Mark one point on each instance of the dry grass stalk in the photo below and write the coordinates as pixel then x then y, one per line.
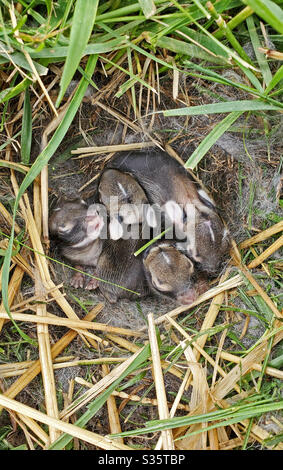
pixel 211 315
pixel 230 444
pixel 133 348
pixel 18 259
pixel 15 371
pixel 222 287
pixel 128 122
pixel 225 385
pixel 56 349
pixel 28 301
pixel 112 148
pixel 266 253
pixel 124 343
pixel 31 424
pixel 199 384
pixel 95 439
pixel 136 398
pixel 97 388
pixel 219 349
pixel 213 439
pixel 198 351
pixel 15 366
pixel 113 415
pixel 260 434
pixel 261 292
pixel 167 437
pixel 29 60
pixel 7 216
pixel 259 237
pixel 46 367
pixel 13 288
pixel 200 391
pixel 42 329
pixel 268 370
pixel 74 324
pixel 14 165
pixel 37 209
pixel 176 403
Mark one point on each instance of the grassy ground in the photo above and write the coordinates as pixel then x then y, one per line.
pixel 204 81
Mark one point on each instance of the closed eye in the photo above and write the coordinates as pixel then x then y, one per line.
pixel 64 228
pixel 127 200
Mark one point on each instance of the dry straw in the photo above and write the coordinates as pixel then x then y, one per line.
pixel 167 438
pixel 96 439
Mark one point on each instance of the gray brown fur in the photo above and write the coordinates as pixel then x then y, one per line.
pixel 164 179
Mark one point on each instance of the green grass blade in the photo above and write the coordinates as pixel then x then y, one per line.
pixel 211 138
pixel 60 52
pixel 9 93
pixel 275 80
pixel 268 11
pixel 19 59
pixel 148 7
pixel 262 62
pixel 83 21
pixel 228 416
pixel 189 50
pixel 26 133
pixel 36 168
pixel 243 105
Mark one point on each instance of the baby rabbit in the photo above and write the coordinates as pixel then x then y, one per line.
pixel 125 201
pixel 167 183
pixel 77 227
pixel 117 264
pixel 171 273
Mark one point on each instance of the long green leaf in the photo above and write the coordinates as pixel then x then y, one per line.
pixel 211 138
pixel 229 415
pixel 36 168
pixel 9 93
pixel 243 105
pixel 275 80
pixel 26 133
pixel 148 7
pixel 59 52
pixel 262 62
pixel 190 50
pixel 83 21
pixel 268 11
pixel 19 59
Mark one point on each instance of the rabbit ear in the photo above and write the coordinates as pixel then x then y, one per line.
pixel 95 224
pixel 174 212
pixel 206 199
pixel 115 229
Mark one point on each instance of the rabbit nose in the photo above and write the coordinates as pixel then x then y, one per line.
pixel 187 297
